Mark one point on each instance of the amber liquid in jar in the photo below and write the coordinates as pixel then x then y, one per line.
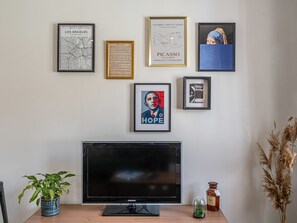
pixel 213 197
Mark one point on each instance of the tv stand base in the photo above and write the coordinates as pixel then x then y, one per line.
pixel 132 210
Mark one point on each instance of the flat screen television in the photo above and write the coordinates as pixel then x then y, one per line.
pixel 132 178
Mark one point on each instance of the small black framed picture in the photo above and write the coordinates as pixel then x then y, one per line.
pixel 196 93
pixel 152 107
pixel 76 47
pixel 216 47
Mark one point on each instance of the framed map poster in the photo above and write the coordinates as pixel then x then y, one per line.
pixel 167 41
pixel 197 92
pixel 152 107
pixel 76 49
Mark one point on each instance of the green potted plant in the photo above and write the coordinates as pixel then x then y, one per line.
pixel 48 188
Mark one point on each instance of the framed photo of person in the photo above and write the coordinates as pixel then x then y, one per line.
pixel 167 41
pixel 152 107
pixel 76 47
pixel 196 92
pixel 119 59
pixel 216 47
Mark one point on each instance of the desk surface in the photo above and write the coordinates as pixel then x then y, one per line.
pixel 92 213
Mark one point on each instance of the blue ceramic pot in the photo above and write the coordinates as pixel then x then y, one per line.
pixel 50 208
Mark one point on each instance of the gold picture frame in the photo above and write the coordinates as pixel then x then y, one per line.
pixel 119 59
pixel 167 41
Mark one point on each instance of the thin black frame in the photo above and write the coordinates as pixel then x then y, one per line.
pixel 169 106
pixel 93 47
pixel 208 79
pixel 230 35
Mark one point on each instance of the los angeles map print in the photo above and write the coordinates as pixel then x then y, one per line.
pixel 76 47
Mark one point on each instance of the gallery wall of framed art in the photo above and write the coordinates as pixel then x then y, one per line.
pixel 167 47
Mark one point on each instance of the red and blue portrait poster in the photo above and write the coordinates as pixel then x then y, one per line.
pixel 152 107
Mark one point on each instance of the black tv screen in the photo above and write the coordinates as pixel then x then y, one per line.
pixel 132 172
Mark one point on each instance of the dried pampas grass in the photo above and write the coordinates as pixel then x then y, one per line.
pixel 278 165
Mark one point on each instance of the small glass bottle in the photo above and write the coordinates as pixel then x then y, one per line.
pixel 198 207
pixel 213 197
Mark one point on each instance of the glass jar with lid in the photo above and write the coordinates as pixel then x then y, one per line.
pixel 213 197
pixel 198 207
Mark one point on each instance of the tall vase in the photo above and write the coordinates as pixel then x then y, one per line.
pixel 50 208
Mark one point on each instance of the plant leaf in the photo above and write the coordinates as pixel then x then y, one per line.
pixel 62 173
pixel 37 201
pixel 22 194
pixel 65 184
pixel 52 194
pixel 31 177
pixel 69 175
pixel 35 194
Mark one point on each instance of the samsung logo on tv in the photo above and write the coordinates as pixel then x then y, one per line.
pixel 131 200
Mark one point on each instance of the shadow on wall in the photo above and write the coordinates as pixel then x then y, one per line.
pixel 179 95
pixel 286 66
pixel 286 76
pixel 272 80
pixel 254 197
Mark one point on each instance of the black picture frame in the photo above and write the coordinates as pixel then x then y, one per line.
pixel 152 107
pixel 76 47
pixel 216 46
pixel 197 93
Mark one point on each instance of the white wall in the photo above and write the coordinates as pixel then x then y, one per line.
pixel 45 115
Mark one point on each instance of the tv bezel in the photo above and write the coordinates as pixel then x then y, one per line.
pixel 114 201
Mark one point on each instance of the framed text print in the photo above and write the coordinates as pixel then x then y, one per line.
pixel 152 107
pixel 216 47
pixel 197 92
pixel 76 47
pixel 167 41
pixel 119 59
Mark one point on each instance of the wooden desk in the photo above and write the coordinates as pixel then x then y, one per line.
pixel 92 214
